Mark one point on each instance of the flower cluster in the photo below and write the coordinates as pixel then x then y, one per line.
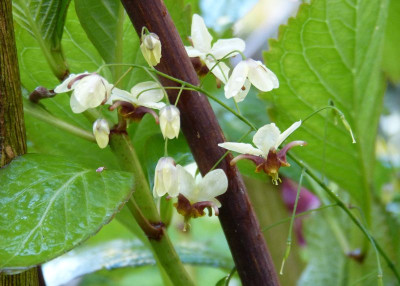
pixel 195 193
pixel 245 73
pixel 266 157
pixel 91 90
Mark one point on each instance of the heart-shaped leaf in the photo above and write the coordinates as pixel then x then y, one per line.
pixel 49 205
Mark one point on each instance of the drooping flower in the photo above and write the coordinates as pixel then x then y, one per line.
pixel 143 97
pixel 266 157
pixel 151 48
pixel 202 48
pixel 197 193
pixel 249 72
pixel 101 131
pixel 170 121
pixel 166 178
pixel 89 90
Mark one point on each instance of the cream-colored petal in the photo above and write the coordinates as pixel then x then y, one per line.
pixel 153 105
pixel 192 52
pixel 165 178
pixel 287 133
pixel 242 148
pixel 63 87
pixel 261 77
pixel 170 121
pixel 191 168
pixel 90 91
pixel 75 105
pixel 223 47
pixel 119 94
pixel 266 137
pixel 101 132
pixel 201 38
pixel 151 49
pixel 148 91
pixel 243 91
pixel 213 184
pixel 236 80
pixel 221 71
pixel 186 183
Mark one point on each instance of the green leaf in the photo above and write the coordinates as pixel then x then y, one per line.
pixel 103 22
pixel 50 205
pixel 332 51
pixel 326 260
pixel 181 14
pixel 124 253
pixel 35 71
pixel 391 51
pixel 44 20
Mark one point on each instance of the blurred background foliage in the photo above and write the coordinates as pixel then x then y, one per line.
pixel 364 87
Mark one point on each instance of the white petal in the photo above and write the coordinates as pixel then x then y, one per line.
pixel 154 92
pixel 191 168
pixel 165 178
pixel 119 94
pixel 236 80
pixel 153 105
pixel 223 47
pixel 101 131
pixel 200 36
pixel 213 184
pixel 221 71
pixel 266 137
pixel 90 91
pixel 75 105
pixel 287 133
pixel 243 91
pixel 261 77
pixel 192 52
pixel 186 183
pixel 63 87
pixel 242 148
pixel 170 121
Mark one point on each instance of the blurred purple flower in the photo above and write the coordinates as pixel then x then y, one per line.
pixel 307 201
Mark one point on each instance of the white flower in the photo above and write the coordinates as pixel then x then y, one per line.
pixel 148 94
pixel 166 178
pixel 201 189
pixel 246 72
pixel 266 138
pixel 151 49
pixel 89 90
pixel 101 132
pixel 170 121
pixel 201 39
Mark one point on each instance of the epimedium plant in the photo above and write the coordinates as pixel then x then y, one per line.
pixel 108 105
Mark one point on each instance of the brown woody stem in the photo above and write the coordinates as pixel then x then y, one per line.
pixel 203 133
pixel 12 128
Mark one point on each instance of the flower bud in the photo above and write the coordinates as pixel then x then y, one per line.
pixel 165 178
pixel 170 122
pixel 151 48
pixel 101 130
